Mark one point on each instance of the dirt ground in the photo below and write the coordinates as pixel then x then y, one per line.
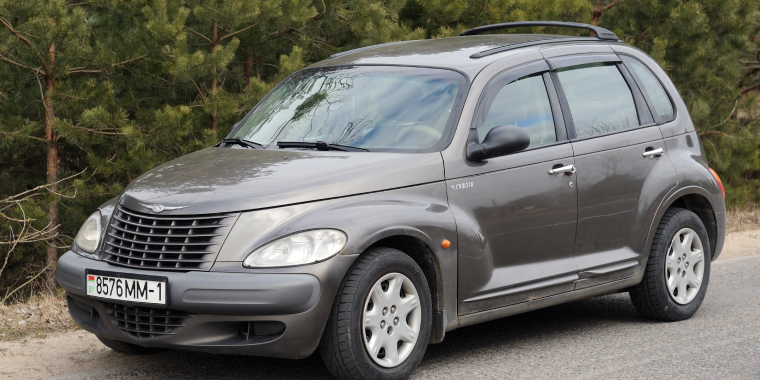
pixel 78 354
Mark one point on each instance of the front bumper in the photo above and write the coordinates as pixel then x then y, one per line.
pixel 276 314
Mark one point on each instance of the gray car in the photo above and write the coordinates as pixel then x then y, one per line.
pixel 380 198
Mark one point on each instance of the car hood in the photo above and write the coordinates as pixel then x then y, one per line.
pixel 228 179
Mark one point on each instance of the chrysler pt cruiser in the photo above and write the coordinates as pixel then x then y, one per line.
pixel 378 199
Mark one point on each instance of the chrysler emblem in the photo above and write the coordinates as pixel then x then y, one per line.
pixel 158 207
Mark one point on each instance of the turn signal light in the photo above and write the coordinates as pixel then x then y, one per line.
pixel 720 184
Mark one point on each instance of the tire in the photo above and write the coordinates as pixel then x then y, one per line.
pixel 668 292
pixel 358 317
pixel 128 348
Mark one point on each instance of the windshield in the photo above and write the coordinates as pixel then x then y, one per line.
pixel 371 107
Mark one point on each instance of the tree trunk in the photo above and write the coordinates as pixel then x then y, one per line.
pixel 213 78
pixel 248 67
pixel 52 173
pixel 596 14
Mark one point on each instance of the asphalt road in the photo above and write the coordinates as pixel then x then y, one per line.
pixel 597 338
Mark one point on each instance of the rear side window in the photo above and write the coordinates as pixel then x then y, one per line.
pixel 658 98
pixel 599 99
pixel 523 103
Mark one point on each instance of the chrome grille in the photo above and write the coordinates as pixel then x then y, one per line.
pixel 144 322
pixel 186 242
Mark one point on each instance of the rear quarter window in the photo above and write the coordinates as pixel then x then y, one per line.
pixel 657 96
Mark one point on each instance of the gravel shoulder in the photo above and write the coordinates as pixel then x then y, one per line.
pixel 600 337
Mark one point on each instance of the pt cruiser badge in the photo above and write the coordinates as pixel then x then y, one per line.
pixel 158 207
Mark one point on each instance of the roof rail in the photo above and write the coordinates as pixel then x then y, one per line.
pixel 518 45
pixel 601 33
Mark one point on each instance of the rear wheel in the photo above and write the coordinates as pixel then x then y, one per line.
pixel 678 270
pixel 380 322
pixel 128 348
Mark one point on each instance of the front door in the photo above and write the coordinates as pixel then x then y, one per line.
pixel 515 221
pixel 619 155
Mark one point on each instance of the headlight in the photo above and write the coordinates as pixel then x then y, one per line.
pixel 88 236
pixel 301 248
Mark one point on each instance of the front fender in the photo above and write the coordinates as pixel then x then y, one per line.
pixel 420 211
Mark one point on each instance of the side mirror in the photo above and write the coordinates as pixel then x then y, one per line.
pixel 499 141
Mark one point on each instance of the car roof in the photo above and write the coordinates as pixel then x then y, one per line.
pixel 452 52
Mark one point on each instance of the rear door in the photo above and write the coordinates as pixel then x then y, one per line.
pixel 620 161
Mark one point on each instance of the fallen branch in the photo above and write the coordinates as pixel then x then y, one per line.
pixel 7 295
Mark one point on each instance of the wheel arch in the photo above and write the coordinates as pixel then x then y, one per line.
pixel 696 200
pixel 699 205
pixel 422 254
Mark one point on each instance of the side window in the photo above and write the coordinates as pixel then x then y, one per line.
pixel 599 99
pixel 659 99
pixel 523 103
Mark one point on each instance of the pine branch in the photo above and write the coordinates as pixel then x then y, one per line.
pixel 644 34
pixel 99 132
pixel 199 35
pixel 20 135
pixel 203 98
pixel 596 14
pixel 611 5
pixel 14 63
pixel 750 88
pixel 81 70
pixel 220 39
pixel 702 134
pixel 8 26
pixel 482 6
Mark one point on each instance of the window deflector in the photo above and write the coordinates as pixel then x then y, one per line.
pixel 581 59
pixel 507 76
pixel 499 81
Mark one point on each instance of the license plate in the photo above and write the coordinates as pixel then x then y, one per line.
pixel 117 286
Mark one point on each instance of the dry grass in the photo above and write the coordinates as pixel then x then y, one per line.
pixel 743 218
pixel 34 318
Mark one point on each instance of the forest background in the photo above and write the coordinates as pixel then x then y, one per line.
pixel 94 93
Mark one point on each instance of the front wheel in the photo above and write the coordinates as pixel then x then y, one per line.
pixel 678 270
pixel 381 319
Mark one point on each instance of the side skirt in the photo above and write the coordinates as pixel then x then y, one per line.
pixel 591 291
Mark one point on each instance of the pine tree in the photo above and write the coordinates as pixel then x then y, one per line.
pixel 54 45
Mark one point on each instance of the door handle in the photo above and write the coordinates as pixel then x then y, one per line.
pixel 564 169
pixel 654 153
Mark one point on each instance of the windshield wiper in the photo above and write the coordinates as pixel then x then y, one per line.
pixel 319 145
pixel 241 142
